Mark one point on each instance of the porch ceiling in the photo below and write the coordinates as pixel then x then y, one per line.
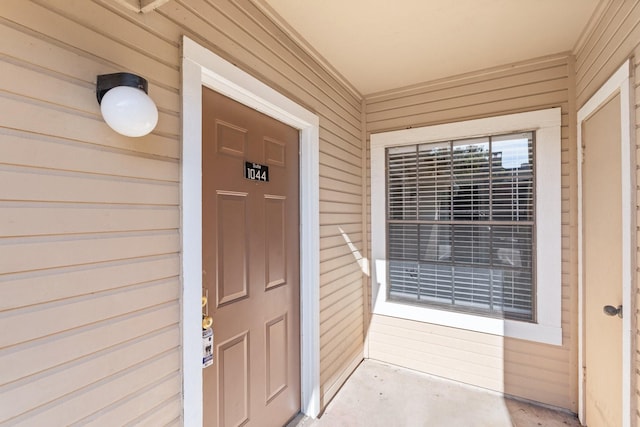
pixel 378 45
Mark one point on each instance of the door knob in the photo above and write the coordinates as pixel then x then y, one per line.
pixel 610 310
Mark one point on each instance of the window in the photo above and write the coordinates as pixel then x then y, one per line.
pixel 460 222
pixel 466 225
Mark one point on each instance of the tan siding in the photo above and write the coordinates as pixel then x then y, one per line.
pixel 77 280
pixel 28 254
pixel 156 404
pixel 338 138
pixel 350 333
pixel 328 286
pixel 49 153
pixel 329 171
pixel 41 389
pixel 611 42
pixel 340 160
pixel 170 408
pixel 61 186
pixel 337 303
pixel 337 240
pixel 492 92
pixel 615 37
pixel 107 391
pixel 85 340
pixel 529 370
pixel 32 219
pixel 468 111
pixel 339 196
pixel 39 118
pixel 334 179
pixel 90 220
pixel 472 101
pixel 86 310
pixel 340 377
pixel 552 69
pixel 327 230
pixel 336 251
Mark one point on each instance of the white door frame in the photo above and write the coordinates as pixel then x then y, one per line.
pixel 619 83
pixel 201 67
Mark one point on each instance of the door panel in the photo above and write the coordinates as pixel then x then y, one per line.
pixel 233 378
pixel 250 266
pixel 602 228
pixel 233 242
pixel 276 241
pixel 276 351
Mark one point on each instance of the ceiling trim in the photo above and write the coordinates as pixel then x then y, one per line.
pixel 270 13
pixel 594 21
pixel 460 78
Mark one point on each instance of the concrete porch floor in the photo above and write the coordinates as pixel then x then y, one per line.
pixel 381 395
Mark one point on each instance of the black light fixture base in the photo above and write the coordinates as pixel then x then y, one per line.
pixel 107 82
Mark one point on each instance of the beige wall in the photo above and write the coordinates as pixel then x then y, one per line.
pixel 613 38
pixel 89 226
pixel 533 371
pixel 526 369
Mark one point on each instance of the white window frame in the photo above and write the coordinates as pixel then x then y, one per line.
pixel 546 123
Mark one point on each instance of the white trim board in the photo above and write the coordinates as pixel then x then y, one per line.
pixel 546 123
pixel 618 83
pixel 201 67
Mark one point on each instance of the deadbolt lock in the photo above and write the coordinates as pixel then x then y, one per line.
pixel 207 321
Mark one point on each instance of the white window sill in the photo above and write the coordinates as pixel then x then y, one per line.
pixel 548 334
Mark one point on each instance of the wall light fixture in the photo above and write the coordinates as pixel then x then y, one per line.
pixel 125 105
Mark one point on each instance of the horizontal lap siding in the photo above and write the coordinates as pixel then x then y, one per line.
pixel 89 282
pixel 89 230
pixel 613 38
pixel 529 370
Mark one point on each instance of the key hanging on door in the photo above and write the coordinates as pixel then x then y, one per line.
pixel 207 332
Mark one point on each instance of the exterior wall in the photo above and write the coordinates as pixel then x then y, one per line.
pixel 525 369
pixel 90 220
pixel 614 37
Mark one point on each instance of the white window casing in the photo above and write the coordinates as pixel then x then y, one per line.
pixel 548 287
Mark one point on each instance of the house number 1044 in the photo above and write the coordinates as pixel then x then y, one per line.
pixel 256 172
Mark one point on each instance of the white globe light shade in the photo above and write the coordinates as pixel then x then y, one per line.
pixel 129 111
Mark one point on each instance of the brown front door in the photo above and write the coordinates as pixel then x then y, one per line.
pixel 250 251
pixel 602 234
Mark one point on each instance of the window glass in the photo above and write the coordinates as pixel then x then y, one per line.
pixel 460 224
pixel 470 180
pixel 402 183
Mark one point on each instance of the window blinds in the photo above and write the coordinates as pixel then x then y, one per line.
pixel 460 224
